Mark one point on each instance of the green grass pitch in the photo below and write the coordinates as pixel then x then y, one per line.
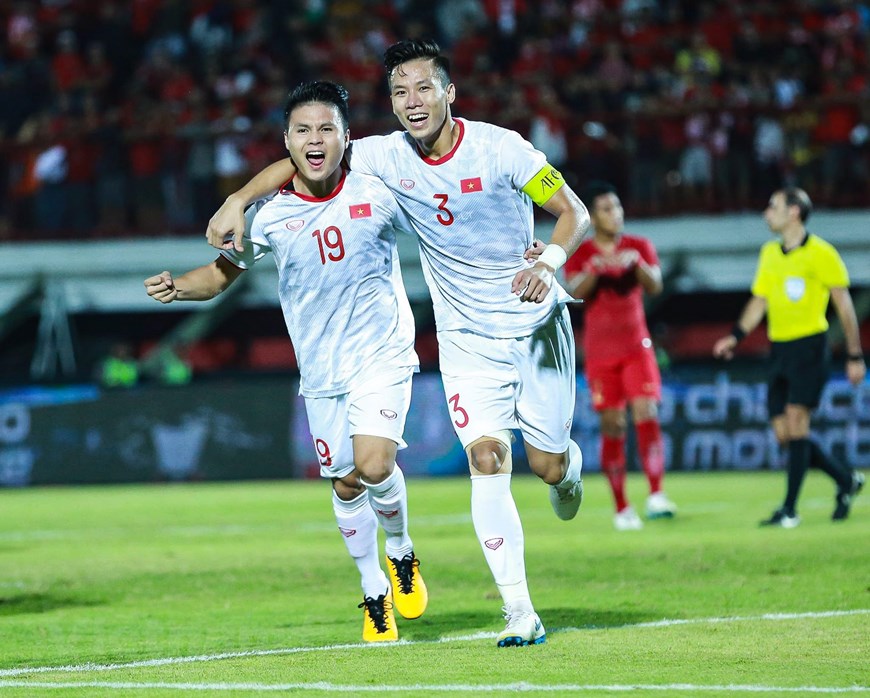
pixel 245 589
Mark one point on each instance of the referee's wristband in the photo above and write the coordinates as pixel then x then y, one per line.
pixel 855 357
pixel 553 256
pixel 737 333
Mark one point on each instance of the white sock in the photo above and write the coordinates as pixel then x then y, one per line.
pixel 359 528
pixel 575 466
pixel 389 501
pixel 497 524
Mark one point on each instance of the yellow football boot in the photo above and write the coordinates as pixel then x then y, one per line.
pixel 379 623
pixel 409 589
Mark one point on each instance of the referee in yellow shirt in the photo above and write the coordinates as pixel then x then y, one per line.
pixel 796 276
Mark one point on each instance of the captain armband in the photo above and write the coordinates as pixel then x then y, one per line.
pixel 544 184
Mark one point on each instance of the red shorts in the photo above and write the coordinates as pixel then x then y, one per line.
pixel 613 382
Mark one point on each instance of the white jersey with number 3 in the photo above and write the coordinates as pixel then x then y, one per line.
pixel 340 283
pixel 473 222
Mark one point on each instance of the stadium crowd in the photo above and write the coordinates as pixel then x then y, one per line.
pixel 122 117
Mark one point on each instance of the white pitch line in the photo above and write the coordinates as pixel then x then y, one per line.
pixel 665 623
pixel 521 687
pixel 193 659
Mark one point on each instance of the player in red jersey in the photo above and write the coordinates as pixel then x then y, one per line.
pixel 611 271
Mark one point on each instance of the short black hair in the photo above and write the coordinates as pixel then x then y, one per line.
pixel 318 91
pixel 594 189
pixel 795 196
pixel 415 49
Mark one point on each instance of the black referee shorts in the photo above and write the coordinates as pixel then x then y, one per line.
pixel 798 373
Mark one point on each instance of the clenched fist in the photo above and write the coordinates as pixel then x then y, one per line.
pixel 161 288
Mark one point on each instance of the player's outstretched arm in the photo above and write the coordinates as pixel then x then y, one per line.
pixel 200 284
pixel 752 314
pixel 572 222
pixel 856 369
pixel 227 225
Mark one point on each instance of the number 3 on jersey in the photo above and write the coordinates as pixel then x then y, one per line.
pixel 331 240
pixel 461 415
pixel 442 218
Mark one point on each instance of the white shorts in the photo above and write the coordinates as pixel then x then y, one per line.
pixel 376 407
pixel 526 383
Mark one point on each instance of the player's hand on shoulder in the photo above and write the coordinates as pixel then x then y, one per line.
pixel 161 287
pixel 724 347
pixel 533 284
pixel 227 226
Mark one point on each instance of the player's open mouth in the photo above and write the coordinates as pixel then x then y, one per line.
pixel 316 157
pixel 417 119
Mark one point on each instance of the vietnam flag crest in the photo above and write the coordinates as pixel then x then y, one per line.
pixel 471 185
pixel 361 211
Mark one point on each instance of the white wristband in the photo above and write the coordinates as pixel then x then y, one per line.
pixel 554 256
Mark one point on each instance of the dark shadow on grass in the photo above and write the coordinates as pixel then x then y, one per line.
pixel 434 626
pixel 40 603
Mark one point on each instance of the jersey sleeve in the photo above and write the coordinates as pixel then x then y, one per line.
pixel 520 160
pixel 254 240
pixel 528 168
pixel 761 282
pixel 363 152
pixel 832 270
pixel 648 252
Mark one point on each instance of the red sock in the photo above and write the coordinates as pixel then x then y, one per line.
pixel 652 455
pixel 613 466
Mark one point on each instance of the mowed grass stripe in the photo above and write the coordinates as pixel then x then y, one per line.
pixel 164 661
pixel 254 574
pixel 423 688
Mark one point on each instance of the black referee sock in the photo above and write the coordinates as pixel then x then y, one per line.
pixel 833 468
pixel 799 452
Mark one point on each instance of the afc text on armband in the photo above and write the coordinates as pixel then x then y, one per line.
pixel 547 182
pixel 550 180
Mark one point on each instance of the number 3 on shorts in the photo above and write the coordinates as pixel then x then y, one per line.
pixel 462 419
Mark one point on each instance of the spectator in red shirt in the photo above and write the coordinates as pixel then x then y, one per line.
pixel 611 271
pixel 67 65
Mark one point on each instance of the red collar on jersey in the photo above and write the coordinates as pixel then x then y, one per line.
pixel 286 189
pixel 441 161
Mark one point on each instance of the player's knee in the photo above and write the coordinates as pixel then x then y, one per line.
pixel 348 487
pixel 550 467
pixel 780 429
pixel 644 410
pixel 797 421
pixel 490 455
pixel 375 467
pixel 613 424
pixel 374 457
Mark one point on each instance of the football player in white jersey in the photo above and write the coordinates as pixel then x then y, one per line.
pixel 332 234
pixel 506 348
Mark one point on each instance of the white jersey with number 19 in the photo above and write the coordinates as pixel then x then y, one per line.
pixel 473 222
pixel 340 283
